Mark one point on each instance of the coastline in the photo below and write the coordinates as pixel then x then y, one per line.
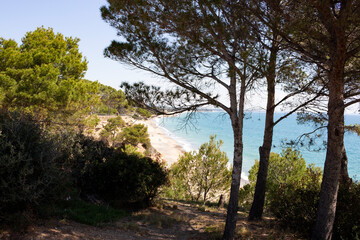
pixel 165 142
pixel 168 147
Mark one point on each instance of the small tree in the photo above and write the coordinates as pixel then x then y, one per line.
pixel 44 74
pixel 288 168
pixel 135 134
pixel 112 98
pixel 292 189
pixel 203 173
pixel 111 129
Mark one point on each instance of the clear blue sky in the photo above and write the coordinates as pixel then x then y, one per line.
pixel 81 19
pixel 76 18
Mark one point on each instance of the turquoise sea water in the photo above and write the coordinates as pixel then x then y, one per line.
pixel 209 123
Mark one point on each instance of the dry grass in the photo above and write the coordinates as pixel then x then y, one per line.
pixel 161 219
pixel 169 220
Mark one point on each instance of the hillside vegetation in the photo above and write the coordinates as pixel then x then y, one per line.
pixel 70 156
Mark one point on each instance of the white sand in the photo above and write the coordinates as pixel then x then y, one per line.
pixel 169 148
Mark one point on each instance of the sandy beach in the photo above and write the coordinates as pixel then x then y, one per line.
pixel 169 148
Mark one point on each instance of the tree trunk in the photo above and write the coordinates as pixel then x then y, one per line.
pixel 237 118
pixel 235 186
pixel 257 206
pixel 344 175
pixel 221 201
pixel 205 193
pixel 334 154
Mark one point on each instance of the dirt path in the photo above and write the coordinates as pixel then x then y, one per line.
pixel 170 220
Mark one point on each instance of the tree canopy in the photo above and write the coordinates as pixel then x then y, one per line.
pixel 44 74
pixel 200 175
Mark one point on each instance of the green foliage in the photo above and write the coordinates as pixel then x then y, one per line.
pixel 292 189
pixel 29 174
pixel 287 168
pixel 135 134
pixel 200 174
pixel 43 75
pixel 124 180
pixel 112 175
pixel 87 213
pixel 295 205
pixel 143 112
pixel 113 99
pixel 347 219
pixel 293 196
pixel 131 150
pixel 111 129
pixel 355 128
pixel 246 197
pixel 91 122
pixel 104 110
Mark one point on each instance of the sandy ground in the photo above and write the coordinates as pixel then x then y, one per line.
pixel 169 149
pixel 168 220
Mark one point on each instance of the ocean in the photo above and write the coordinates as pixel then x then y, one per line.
pixel 204 124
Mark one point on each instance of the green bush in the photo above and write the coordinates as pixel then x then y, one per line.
pixel 80 154
pixel 287 168
pixel 347 220
pixel 125 180
pixel 295 207
pixel 135 134
pixel 200 175
pixel 293 196
pixel 131 150
pixel 143 112
pixel 292 189
pixel 29 174
pixel 120 178
pixel 111 129
pixel 91 121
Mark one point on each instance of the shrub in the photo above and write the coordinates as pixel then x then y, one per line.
pixel 287 168
pixel 131 150
pixel 293 196
pixel 143 112
pixel 347 219
pixel 29 175
pixel 295 207
pixel 125 180
pixel 88 213
pixel 80 154
pixel 135 134
pixel 91 121
pixel 200 174
pixel 110 131
pixel 120 178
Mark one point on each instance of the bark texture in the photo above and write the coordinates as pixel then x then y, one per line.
pixel 344 175
pixel 237 117
pixel 334 154
pixel 257 206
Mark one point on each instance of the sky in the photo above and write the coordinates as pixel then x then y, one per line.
pixel 72 18
pixel 82 19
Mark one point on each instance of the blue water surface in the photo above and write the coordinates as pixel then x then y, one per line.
pixel 209 123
